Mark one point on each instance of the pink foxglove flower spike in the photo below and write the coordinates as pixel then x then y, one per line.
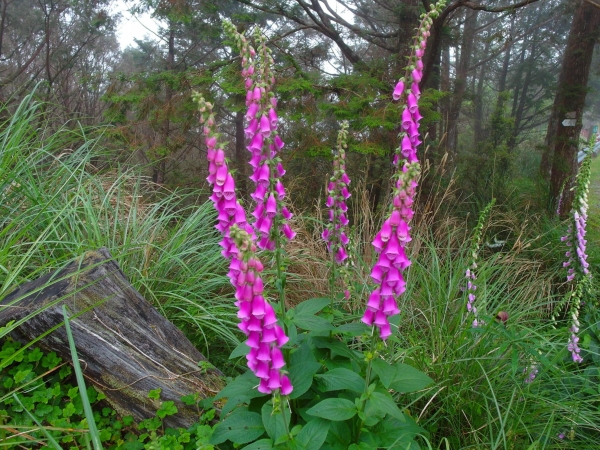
pixel 257 317
pixel 578 272
pixel 335 233
pixel 390 242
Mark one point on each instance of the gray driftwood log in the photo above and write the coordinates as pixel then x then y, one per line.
pixel 125 347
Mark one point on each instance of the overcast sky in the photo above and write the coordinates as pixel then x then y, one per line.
pixel 132 27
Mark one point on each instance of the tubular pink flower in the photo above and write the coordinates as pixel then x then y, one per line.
pixel 398 90
pixel 412 103
pixel 406 119
pixel 417 75
pixel 265 126
pixel 251 129
pixel 271 209
pixel 252 110
pixel 286 385
pixel 273 121
pixel 211 141
pixel 407 146
pixel 219 157
pixel 256 144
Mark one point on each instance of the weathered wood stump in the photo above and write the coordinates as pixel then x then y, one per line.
pixel 125 347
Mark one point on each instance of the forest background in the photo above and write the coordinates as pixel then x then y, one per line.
pixel 493 93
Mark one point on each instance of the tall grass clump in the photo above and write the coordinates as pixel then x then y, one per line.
pixel 61 197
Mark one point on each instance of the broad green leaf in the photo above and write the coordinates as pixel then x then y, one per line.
pixel 263 444
pixel 241 390
pixel 241 350
pixel 353 329
pixel 313 434
pixel 337 347
pixel 301 376
pixel 400 377
pixel 303 366
pixel 338 379
pixel 273 421
pixel 240 427
pixel 386 404
pixel 385 371
pixel 397 435
pixel 335 409
pixel 409 379
pixel 339 435
pixel 312 306
pixel 312 323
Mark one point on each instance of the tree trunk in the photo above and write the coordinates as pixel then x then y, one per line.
pixel 522 98
pixel 125 346
pixel 478 101
pixel 460 83
pixel 562 140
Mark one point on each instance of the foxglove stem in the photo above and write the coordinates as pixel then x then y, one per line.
pixel 370 356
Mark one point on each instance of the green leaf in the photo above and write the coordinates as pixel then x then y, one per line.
pixel 190 399
pixel 50 360
pixel 339 435
pixel 409 379
pixel 43 410
pixel 263 444
pixel 273 421
pixel 312 323
pixel 312 306
pixel 386 404
pixel 397 435
pixel 35 355
pixel 167 408
pixel 385 371
pixel 337 347
pixel 338 379
pixel 335 409
pixel 240 427
pixel 313 434
pixel 69 410
pixel 400 377
pixel 155 394
pixel 302 369
pixel 240 390
pixel 353 329
pixel 241 350
pixel 21 375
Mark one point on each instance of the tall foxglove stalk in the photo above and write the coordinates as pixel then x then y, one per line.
pixel 470 273
pixel 578 271
pixel 271 214
pixel 257 317
pixel 390 243
pixel 335 234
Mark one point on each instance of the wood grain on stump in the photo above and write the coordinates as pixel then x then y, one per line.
pixel 125 347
